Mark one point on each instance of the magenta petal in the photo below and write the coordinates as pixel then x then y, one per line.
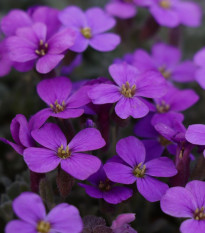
pixel 61 41
pixel 18 148
pixel 29 207
pixel 192 226
pixel 37 120
pixel 68 113
pixel 41 160
pixel 153 148
pixel 197 188
pixel 86 140
pixel 105 42
pixel 48 62
pixel 178 202
pixel 14 20
pixel 161 167
pixel 123 219
pixel 40 30
pixel 81 166
pixel 151 189
pixel 92 191
pixel 102 22
pixel 50 136
pixel 54 89
pixel 20 226
pixel 131 150
pixel 117 195
pixel 119 173
pixel 131 107
pixel 25 66
pixel 196 134
pixel 81 43
pixel 65 218
pixel 104 93
pixel 200 77
pixel 200 57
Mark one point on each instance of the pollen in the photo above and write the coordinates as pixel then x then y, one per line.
pixel 43 227
pixel 166 4
pixel 63 153
pixel 128 91
pixel 42 48
pixel 104 185
pixel 139 170
pixel 58 107
pixel 199 214
pixel 166 74
pixel 86 32
pixel 163 107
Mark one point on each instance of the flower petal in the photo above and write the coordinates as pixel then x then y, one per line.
pixel 192 226
pixel 196 134
pixel 20 226
pixel 92 191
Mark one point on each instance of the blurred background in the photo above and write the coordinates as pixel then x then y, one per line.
pixel 18 95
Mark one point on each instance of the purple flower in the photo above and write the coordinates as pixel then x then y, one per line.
pixel 55 150
pixel 195 134
pixel 122 8
pixel 171 13
pixel 5 62
pixel 90 28
pixel 29 207
pixel 56 93
pixel 102 187
pixel 130 86
pixel 121 223
pixel 134 169
pixel 21 133
pixel 188 202
pixel 32 44
pixel 166 59
pixel 200 73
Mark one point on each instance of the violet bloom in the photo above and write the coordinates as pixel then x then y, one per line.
pixel 102 187
pixel 195 134
pixel 130 86
pixel 171 13
pixel 134 169
pixel 200 73
pixel 121 223
pixel 90 28
pixel 5 62
pixel 123 9
pixel 165 59
pixel 188 202
pixel 56 93
pixel 21 133
pixel 29 207
pixel 56 151
pixel 32 44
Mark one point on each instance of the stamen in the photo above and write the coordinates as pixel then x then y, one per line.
pixel 166 4
pixel 63 153
pixel 42 48
pixel 58 107
pixel 139 170
pixel 166 74
pixel 128 91
pixel 163 141
pixel 105 185
pixel 43 227
pixel 199 214
pixel 163 107
pixel 86 32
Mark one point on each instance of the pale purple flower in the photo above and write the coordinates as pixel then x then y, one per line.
pixel 5 62
pixel 102 187
pixel 121 223
pixel 166 59
pixel 130 86
pixel 32 44
pixel 29 207
pixel 121 8
pixel 56 93
pixel 57 151
pixel 188 202
pixel 134 169
pixel 90 28
pixel 171 13
pixel 200 73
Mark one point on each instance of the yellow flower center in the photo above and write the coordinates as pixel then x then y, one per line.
pixel 199 214
pixel 42 48
pixel 86 32
pixel 43 227
pixel 166 4
pixel 63 153
pixel 139 170
pixel 58 107
pixel 104 185
pixel 128 91
pixel 165 73
pixel 163 107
